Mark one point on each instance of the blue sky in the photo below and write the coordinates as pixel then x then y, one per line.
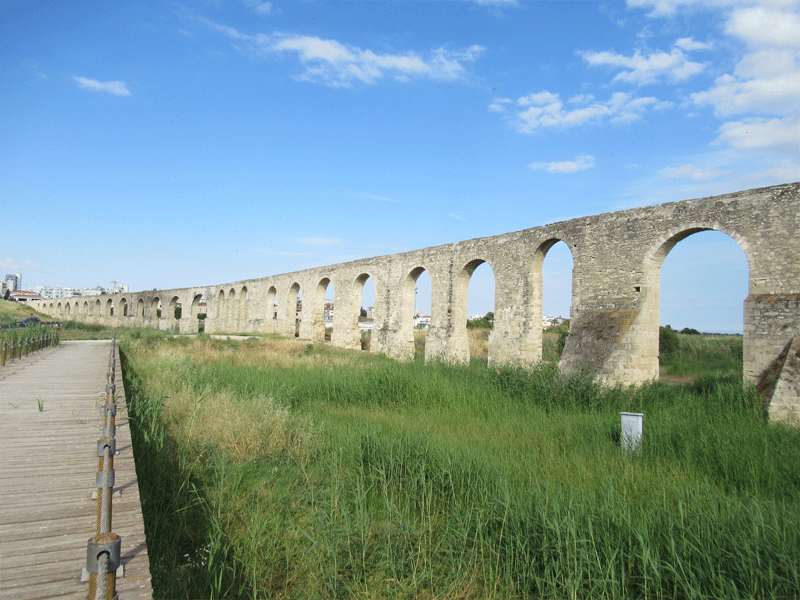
pixel 170 144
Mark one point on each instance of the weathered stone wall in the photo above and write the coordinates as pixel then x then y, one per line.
pixel 617 263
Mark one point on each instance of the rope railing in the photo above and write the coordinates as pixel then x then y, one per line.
pixel 103 550
pixel 19 348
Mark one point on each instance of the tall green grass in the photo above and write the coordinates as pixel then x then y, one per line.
pixel 349 475
pixel 688 354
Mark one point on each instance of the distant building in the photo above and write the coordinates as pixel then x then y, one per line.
pixel 24 296
pixel 13 281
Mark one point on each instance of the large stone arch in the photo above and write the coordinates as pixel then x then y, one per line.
pixel 271 321
pixel 292 315
pixel 195 323
pixel 458 346
pixel 650 292
pixel 244 309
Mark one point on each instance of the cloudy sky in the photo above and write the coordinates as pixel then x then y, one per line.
pixel 169 144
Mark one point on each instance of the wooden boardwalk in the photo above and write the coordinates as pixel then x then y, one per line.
pixel 48 462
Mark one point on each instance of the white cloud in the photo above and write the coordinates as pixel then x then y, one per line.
pixel 777 94
pixel 335 64
pixel 581 163
pixel 692 172
pixel 640 69
pixel 545 109
pixel 755 133
pixel 117 88
pixel 318 241
pixel 765 25
pixel 457 217
pixel 381 198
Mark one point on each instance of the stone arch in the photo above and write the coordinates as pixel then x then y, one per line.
pixel 232 310
pixel 197 324
pixel 87 308
pixel 140 311
pixel 272 309
pixel 109 308
pixel 123 307
pixel 174 313
pixel 352 321
pixel 314 311
pixel 459 347
pixel 244 308
pixel 406 316
pixel 98 308
pixel 649 292
pixel 220 321
pixel 293 311
pixel 156 312
pixel 536 307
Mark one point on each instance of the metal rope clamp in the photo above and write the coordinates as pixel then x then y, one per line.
pixel 105 479
pixel 111 389
pixel 110 409
pixel 102 443
pixel 95 549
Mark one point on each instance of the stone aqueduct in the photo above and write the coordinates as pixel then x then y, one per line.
pixel 617 259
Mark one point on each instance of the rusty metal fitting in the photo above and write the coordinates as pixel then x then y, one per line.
pixel 110 409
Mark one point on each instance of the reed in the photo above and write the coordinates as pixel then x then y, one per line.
pixel 276 468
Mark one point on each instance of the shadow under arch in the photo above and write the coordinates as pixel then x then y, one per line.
pixel 650 292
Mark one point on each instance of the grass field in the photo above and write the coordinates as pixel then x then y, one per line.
pixel 276 468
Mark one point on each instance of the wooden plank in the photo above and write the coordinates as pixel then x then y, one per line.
pixel 48 461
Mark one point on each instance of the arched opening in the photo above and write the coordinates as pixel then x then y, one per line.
pixel 244 308
pixel 294 309
pixel 87 308
pixel 155 308
pixel 703 281
pixel 416 316
pixel 365 289
pixel 553 304
pixel 324 308
pixel 124 307
pixel 98 308
pixel 198 314
pixel 174 313
pixel 477 278
pixel 140 310
pixel 232 312
pixel 220 324
pixel 272 309
pixel 110 307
